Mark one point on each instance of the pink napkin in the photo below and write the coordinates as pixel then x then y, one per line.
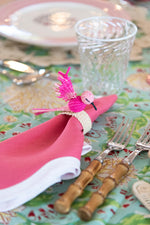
pixel 44 155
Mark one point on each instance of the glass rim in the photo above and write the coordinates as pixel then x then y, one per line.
pixel 106 17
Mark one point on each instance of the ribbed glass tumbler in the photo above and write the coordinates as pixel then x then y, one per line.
pixel 104 45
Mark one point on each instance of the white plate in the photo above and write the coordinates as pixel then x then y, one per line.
pixel 50 22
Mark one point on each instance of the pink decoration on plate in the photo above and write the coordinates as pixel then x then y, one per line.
pixel 66 92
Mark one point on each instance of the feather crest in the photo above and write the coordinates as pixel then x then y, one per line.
pixel 65 89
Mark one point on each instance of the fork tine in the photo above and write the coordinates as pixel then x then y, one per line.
pixel 147 139
pixel 127 130
pixel 130 134
pixel 143 135
pixel 117 131
pixel 120 135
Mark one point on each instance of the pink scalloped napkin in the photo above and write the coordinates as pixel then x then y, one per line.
pixel 44 155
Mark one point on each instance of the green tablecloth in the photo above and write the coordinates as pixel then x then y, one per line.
pixel 121 206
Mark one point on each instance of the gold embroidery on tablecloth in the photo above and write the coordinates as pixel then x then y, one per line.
pixel 40 94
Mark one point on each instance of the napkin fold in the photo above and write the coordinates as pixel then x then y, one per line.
pixel 44 155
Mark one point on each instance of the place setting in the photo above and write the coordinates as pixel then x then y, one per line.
pixel 51 23
pixel 74 134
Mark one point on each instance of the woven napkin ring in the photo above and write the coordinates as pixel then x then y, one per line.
pixel 83 118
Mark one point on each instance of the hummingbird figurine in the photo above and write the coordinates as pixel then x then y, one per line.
pixel 65 90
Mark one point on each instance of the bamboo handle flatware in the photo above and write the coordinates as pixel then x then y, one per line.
pixel 110 182
pixel 63 204
pixel 118 142
pixel 98 197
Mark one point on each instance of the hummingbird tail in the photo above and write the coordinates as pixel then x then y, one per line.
pixel 41 111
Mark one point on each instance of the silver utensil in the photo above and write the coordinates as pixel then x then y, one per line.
pixel 29 75
pixel 111 181
pixel 16 65
pixel 118 142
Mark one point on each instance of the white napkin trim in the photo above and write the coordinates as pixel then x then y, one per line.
pixel 45 177
pixel 48 175
pixel 86 148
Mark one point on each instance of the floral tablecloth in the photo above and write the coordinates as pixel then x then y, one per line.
pixel 121 206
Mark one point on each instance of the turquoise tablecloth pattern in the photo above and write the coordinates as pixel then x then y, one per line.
pixel 121 206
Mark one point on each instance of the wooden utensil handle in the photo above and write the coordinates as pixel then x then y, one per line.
pixel 63 204
pixel 98 197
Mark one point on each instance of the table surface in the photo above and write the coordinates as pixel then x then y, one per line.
pixel 121 206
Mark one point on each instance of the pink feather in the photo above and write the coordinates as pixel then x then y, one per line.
pixel 41 111
pixel 65 90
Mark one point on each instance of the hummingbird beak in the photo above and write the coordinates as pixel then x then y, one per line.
pixel 93 105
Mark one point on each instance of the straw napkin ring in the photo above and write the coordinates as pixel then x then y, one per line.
pixel 83 118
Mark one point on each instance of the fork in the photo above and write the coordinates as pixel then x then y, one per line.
pixel 111 181
pixel 117 142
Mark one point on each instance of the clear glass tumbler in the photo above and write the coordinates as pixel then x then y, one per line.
pixel 104 45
